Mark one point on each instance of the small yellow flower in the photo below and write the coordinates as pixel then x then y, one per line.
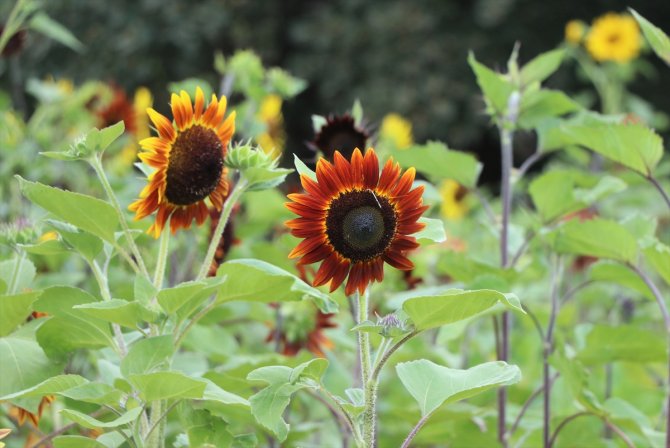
pixel 614 37
pixel 574 32
pixel 453 196
pixel 397 130
pixel 48 236
pixel 141 102
pixel 273 139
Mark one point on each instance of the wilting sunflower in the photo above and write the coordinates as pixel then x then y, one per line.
pixel 354 219
pixel 339 133
pixel 614 37
pixel 188 157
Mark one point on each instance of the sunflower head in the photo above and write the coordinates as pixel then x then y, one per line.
pixel 302 326
pixel 574 32
pixel 119 108
pixel 339 133
pixel 354 218
pixel 188 156
pixel 614 37
pixel 397 130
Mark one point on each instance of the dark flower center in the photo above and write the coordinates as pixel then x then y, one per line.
pixel 194 167
pixel 360 224
pixel 340 134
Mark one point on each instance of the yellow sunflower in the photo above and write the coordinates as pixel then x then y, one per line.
pixel 453 203
pixel 574 32
pixel 614 37
pixel 273 139
pixel 141 102
pixel 397 130
pixel 188 156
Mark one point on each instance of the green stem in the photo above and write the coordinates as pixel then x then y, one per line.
pixel 369 384
pixel 101 278
pixel 16 273
pixel 161 262
pixel 96 163
pixel 223 220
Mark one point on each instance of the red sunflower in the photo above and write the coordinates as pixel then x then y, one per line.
pixel 188 156
pixel 354 219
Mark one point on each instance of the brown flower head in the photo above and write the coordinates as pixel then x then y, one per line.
pixel 339 133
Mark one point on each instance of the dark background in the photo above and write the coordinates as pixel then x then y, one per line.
pixel 402 56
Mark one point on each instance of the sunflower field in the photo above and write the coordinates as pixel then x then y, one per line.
pixel 200 257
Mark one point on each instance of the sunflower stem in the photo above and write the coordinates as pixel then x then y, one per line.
pixel 161 262
pixel 96 163
pixel 369 383
pixel 223 220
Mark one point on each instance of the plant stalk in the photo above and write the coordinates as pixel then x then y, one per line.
pixel 415 430
pixel 369 384
pixel 548 348
pixel 223 220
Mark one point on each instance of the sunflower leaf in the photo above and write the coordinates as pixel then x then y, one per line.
pixel 658 40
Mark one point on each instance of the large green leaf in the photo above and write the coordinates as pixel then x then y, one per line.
pixel 184 298
pixel 167 385
pixel 204 429
pixel 69 328
pixel 598 238
pixel 433 385
pixel 496 87
pixel 88 245
pixel 438 162
pixel 541 66
pixel 539 105
pixel 610 271
pixel 433 232
pixel 49 386
pixel 89 422
pixel 146 355
pixel 622 343
pixel 632 145
pixel 24 273
pixel 86 212
pixel 23 366
pixel 658 40
pixel 269 404
pixel 559 192
pixel 258 281
pixel 454 305
pixel 119 311
pixel 658 256
pixel 14 309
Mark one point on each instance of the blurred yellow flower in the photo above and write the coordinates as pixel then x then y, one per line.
pixel 397 130
pixel 48 236
pixel 614 37
pixel 453 196
pixel 273 139
pixel 574 31
pixel 141 102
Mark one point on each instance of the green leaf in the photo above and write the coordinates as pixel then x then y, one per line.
pixel 143 290
pixel 68 328
pixel 438 162
pixel 303 169
pixel 93 423
pixel 609 271
pixel 268 405
pixel 48 247
pixel 49 386
pixel 86 212
pixel 286 85
pixel 97 140
pixel 44 24
pixel 184 298
pixel 24 275
pixel 557 193
pixel 632 145
pixel 495 87
pixel 433 232
pixel 14 309
pixel 595 238
pixel 622 343
pixel 118 311
pixel 89 246
pixel 167 385
pixel 433 385
pixel 213 392
pixel 23 366
pixel 539 105
pixel 454 305
pixel 203 428
pixel 576 377
pixel 541 66
pixel 318 122
pixel 658 256
pixel 257 281
pixel 76 442
pixel 146 355
pixel 94 392
pixel 658 40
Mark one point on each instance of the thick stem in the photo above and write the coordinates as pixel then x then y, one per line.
pixel 161 262
pixel 101 278
pixel 415 430
pixel 369 385
pixel 223 220
pixel 548 348
pixel 666 320
pixel 96 163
